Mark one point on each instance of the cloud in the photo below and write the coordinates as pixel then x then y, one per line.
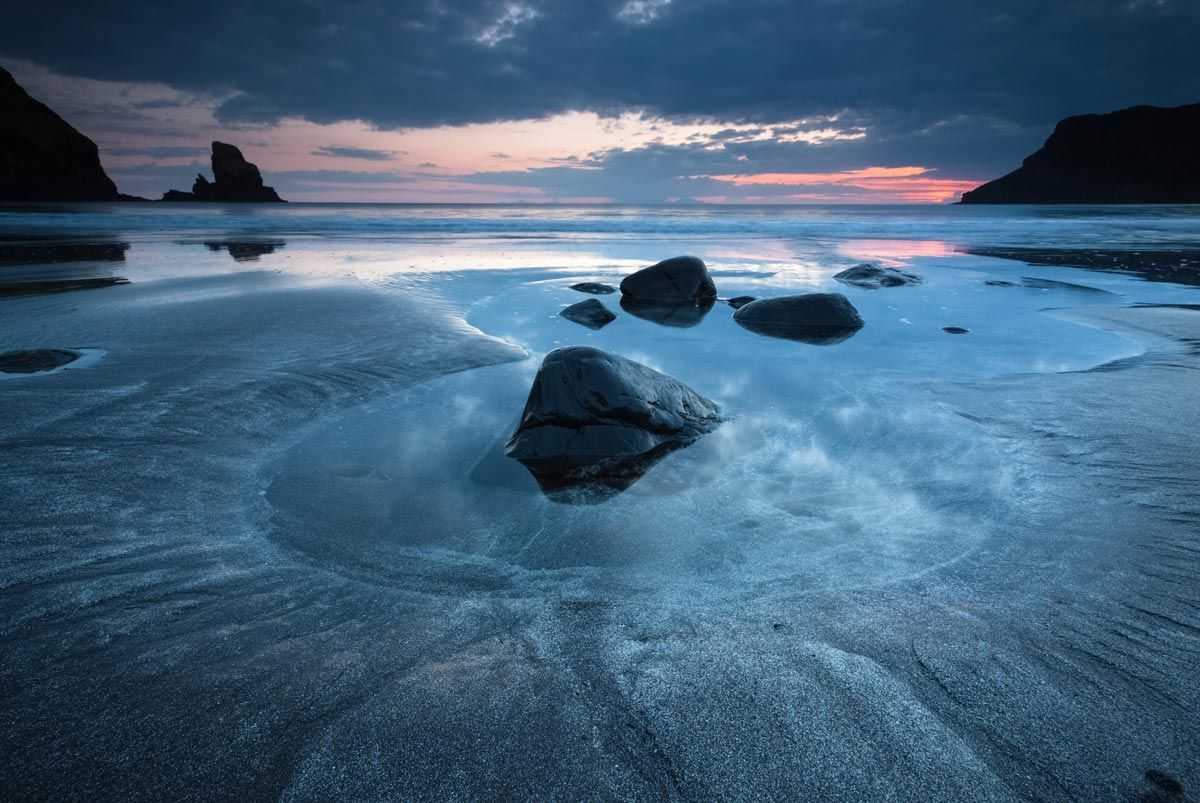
pixel 431 63
pixel 348 152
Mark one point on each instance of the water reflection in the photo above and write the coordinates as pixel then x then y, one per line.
pixel 245 250
pixel 677 315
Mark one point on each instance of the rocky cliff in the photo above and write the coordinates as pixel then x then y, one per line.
pixel 1141 155
pixel 234 180
pixel 42 158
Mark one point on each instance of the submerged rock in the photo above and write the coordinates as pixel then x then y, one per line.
pixel 818 318
pixel 679 315
pixel 737 302
pixel 679 280
pixel 873 277
pixel 235 180
pixel 597 420
pixel 35 360
pixel 590 313
pixel 595 288
pixel 955 330
pixel 42 157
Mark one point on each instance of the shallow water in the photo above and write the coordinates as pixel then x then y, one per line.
pixel 265 541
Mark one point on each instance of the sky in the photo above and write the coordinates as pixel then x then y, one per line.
pixel 595 101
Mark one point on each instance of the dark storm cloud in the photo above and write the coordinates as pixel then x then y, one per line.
pixel 346 152
pixel 425 63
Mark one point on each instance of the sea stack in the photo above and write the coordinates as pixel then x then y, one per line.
pixel 235 180
pixel 42 158
pixel 1141 155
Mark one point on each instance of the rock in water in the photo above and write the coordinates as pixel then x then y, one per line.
pixel 234 180
pixel 590 313
pixel 679 280
pixel 737 302
pixel 595 288
pixel 42 158
pixel 1141 155
pixel 596 419
pixel 873 277
pixel 818 318
pixel 955 330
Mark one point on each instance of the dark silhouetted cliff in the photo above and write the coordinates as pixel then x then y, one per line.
pixel 1142 155
pixel 42 158
pixel 234 180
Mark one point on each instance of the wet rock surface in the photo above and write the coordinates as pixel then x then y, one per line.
pixel 818 318
pixel 679 280
pixel 590 313
pixel 594 288
pixel 873 277
pixel 595 419
pixel 34 361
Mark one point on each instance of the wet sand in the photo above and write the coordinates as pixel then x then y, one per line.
pixel 166 636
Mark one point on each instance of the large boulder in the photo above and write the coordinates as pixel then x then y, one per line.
pixel 679 280
pixel 42 158
pixel 594 418
pixel 818 318
pixel 234 181
pixel 873 277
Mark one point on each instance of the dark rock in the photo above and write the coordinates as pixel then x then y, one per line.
pixel 598 421
pixel 590 313
pixel 35 360
pixel 42 158
pixel 955 330
pixel 874 277
pixel 999 283
pixel 818 318
pixel 1160 787
pixel 595 288
pixel 1141 155
pixel 679 280
pixel 737 302
pixel 234 181
pixel 679 315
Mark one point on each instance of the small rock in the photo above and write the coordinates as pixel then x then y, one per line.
pixel 955 330
pixel 590 313
pixel 874 277
pixel 818 318
pixel 595 288
pixel 679 280
pixel 999 283
pixel 737 302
